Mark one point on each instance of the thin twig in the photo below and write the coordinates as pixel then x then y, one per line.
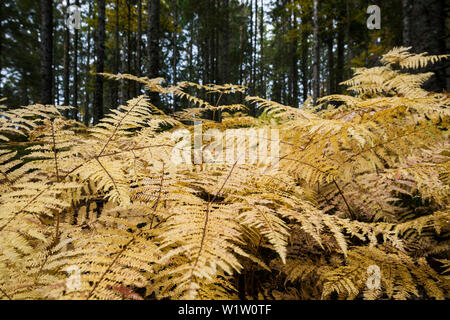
pixel 54 151
pixel 352 215
pixel 109 175
pixel 159 195
pixel 5 294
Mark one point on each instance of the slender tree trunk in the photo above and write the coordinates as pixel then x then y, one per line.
pixel 316 57
pixel 215 56
pixel 331 80
pixel 55 80
pixel 214 45
pixel 226 43
pixel 250 85
pixel 66 63
pixel 304 58
pixel 153 45
pixel 75 72
pixel 255 50
pixel 86 118
pixel 205 57
pixel 139 46
pixel 1 47
pixel 262 66
pixel 277 82
pixel 212 52
pixel 100 54
pixel 294 64
pixel 129 51
pixel 46 51
pixel 175 51
pixel 406 23
pixel 115 69
pixel 191 51
pixel 348 39
pixel 430 35
pixel 340 53
pixel 241 55
pixel 123 83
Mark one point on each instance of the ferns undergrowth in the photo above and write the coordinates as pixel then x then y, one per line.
pixel 362 180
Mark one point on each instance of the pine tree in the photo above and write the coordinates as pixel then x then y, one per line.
pixel 46 51
pixel 153 35
pixel 100 55
pixel 316 54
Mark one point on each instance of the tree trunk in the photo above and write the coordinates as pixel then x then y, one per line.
pixel 294 64
pixel 429 32
pixel 255 50
pixel 191 51
pixel 261 69
pixel 129 47
pixel 75 72
pixel 175 52
pixel 100 53
pixel 86 118
pixel 304 58
pixel 406 23
pixel 46 51
pixel 340 53
pixel 226 43
pixel 241 55
pixel 250 85
pixel 348 39
pixel 331 81
pixel 66 63
pixel 115 68
pixel 139 46
pixel 123 83
pixel 153 43
pixel 316 57
pixel 1 49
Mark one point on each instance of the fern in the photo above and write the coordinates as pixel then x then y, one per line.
pixel 362 180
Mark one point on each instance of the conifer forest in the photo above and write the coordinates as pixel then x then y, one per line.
pixel 224 150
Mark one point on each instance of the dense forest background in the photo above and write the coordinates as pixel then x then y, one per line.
pixel 282 50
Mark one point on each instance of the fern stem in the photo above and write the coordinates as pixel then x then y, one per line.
pixel 118 125
pixel 54 151
pixel 5 294
pixel 202 242
pixel 111 264
pixel 109 175
pixel 352 215
pixel 159 195
pixel 217 104
pixel 58 215
pixel 58 218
